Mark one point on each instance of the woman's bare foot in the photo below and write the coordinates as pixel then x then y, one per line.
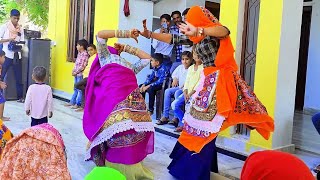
pixel 5 119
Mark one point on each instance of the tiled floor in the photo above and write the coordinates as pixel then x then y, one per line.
pixel 69 123
pixel 305 136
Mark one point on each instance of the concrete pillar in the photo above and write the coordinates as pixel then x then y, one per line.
pixel 276 67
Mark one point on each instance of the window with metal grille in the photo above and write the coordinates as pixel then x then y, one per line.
pixel 81 24
pixel 249 48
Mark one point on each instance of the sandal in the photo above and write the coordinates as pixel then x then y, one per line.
pixel 162 121
pixel 20 100
pixel 79 109
pixel 174 122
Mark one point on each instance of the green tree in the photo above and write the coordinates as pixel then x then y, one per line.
pixel 37 10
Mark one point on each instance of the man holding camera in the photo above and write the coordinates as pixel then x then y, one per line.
pixel 161 47
pixel 10 34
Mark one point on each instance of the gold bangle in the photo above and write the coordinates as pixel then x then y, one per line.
pixel 122 33
pixel 200 31
pixel 131 50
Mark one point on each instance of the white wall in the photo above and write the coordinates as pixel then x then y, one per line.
pixel 287 72
pixel 139 10
pixel 312 93
pixel 168 6
pixel 190 3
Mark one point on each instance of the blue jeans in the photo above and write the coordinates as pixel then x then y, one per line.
pixel 17 68
pixel 316 121
pixel 177 104
pixel 77 95
pixel 167 100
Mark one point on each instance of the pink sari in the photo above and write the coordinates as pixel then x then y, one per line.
pixel 115 117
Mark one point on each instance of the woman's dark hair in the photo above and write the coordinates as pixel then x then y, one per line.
pixel 187 53
pixel 158 57
pixel 93 46
pixel 175 12
pixel 39 73
pixel 2 53
pixel 166 16
pixel 185 12
pixel 84 43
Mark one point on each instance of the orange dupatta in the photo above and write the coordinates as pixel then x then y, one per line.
pixel 226 91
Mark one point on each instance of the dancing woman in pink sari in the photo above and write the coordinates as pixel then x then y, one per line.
pixel 116 120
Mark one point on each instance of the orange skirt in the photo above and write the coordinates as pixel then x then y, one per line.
pixel 232 100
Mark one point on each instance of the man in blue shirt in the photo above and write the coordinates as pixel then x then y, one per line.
pixel 177 19
pixel 161 47
pixel 155 80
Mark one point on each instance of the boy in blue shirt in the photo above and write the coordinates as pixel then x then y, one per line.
pixel 155 80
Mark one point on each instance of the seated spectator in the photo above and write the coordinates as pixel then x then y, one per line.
pixel 190 85
pixel 36 153
pixel 179 76
pixel 316 123
pixel 271 165
pixel 161 47
pixel 92 51
pixel 155 80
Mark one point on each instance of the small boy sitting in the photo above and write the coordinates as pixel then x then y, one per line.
pixel 155 80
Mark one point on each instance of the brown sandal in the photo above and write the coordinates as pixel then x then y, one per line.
pixel 162 121
pixel 174 122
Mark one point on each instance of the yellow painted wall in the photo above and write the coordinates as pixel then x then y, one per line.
pixel 267 56
pixel 61 78
pixel 268 50
pixel 106 17
pixel 229 10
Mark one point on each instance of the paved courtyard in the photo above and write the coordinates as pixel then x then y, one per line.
pixel 69 124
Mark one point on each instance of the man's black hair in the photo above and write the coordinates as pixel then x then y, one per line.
pixel 175 12
pixel 185 12
pixel 158 57
pixel 84 43
pixel 166 16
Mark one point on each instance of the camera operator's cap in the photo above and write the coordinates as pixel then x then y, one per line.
pixel 15 12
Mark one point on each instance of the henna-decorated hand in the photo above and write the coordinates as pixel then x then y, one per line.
pixel 135 34
pixel 119 47
pixel 146 33
pixel 188 29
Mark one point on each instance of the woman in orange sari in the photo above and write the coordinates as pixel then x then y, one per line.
pixel 222 98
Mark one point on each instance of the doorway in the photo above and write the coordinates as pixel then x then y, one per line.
pixel 303 58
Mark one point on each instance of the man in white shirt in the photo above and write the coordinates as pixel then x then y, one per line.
pixel 161 47
pixel 9 32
